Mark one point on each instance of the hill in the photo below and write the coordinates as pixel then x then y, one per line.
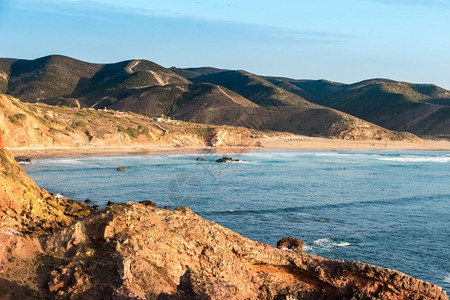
pixel 206 95
pixel 57 77
pixel 422 109
pixel 37 125
pixel 250 86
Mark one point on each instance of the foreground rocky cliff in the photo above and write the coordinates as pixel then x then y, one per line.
pixel 136 251
pixel 58 249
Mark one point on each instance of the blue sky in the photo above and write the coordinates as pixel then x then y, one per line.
pixel 346 41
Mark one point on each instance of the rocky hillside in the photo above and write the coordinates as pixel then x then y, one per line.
pixel 40 125
pixel 204 95
pixel 136 251
pixel 422 109
pixel 26 209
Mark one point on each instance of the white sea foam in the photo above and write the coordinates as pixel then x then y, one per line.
pixel 343 244
pixel 307 248
pixel 60 196
pixel 61 161
pixel 286 249
pixel 417 159
pixel 322 241
pixel 447 278
pixel 329 243
pixel 239 162
pixel 333 154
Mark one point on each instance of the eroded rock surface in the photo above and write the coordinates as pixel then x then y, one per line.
pixel 290 243
pixel 136 251
pixel 231 136
pixel 26 208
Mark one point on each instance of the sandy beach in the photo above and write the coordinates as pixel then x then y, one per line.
pixel 277 142
pixel 305 142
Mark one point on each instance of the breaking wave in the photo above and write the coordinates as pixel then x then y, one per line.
pixel 435 159
pixel 325 244
pixel 447 278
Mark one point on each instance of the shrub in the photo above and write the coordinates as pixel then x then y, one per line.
pixel 200 131
pixel 132 132
pixel 143 130
pixel 80 124
pixel 17 119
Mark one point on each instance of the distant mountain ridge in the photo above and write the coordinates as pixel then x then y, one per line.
pixel 210 95
pixel 422 109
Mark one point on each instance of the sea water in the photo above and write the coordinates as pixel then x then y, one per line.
pixel 388 208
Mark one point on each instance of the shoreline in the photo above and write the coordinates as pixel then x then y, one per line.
pixel 293 143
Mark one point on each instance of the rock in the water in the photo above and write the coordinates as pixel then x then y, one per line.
pixel 148 203
pixel 22 159
pixel 290 243
pixel 88 201
pixel 110 203
pixel 95 207
pixel 121 169
pixel 200 159
pixel 226 159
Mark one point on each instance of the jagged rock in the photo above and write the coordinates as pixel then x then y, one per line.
pixel 231 136
pixel 290 243
pixel 87 201
pixel 95 207
pixel 110 203
pixel 148 203
pixel 134 251
pixel 121 169
pixel 21 159
pixel 200 159
pixel 224 159
pixel 28 208
pixel 227 160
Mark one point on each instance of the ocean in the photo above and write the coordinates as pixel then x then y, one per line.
pixel 388 208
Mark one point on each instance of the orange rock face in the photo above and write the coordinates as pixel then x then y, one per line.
pixel 135 251
pixel 231 136
pixel 25 208
pixel 1 139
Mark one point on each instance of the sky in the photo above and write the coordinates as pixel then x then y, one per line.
pixel 345 41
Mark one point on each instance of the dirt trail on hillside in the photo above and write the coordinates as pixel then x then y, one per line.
pixel 417 120
pixel 158 78
pixel 129 68
pixel 231 98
